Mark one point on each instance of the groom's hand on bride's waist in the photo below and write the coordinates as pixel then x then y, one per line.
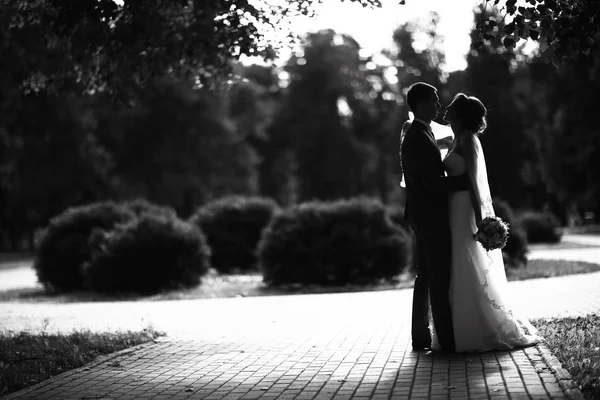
pixel 458 183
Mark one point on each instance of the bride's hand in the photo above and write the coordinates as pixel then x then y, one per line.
pixel 445 142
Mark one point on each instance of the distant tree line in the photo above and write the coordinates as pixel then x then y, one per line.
pixel 101 101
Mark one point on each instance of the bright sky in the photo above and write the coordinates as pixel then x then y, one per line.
pixel 373 27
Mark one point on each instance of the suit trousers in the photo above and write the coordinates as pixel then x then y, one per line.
pixel 432 285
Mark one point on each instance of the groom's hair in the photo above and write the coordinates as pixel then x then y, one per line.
pixel 418 93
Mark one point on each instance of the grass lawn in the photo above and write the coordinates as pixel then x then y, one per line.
pixel 14 260
pixel 583 229
pixel 215 286
pixel 560 246
pixel 576 343
pixel 27 359
pixel 550 268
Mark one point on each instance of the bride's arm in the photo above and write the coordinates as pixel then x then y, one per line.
pixel 471 151
pixel 445 143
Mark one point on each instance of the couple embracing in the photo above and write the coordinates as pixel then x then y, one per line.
pixel 460 292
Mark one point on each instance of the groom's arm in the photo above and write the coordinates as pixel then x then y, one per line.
pixel 446 183
pixel 457 183
pixel 420 153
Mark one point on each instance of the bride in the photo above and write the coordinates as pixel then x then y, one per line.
pixel 481 316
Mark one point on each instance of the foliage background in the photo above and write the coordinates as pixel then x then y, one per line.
pixel 102 101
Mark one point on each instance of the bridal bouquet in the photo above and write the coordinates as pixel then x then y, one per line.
pixel 492 233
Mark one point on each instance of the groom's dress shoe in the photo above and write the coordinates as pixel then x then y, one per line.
pixel 421 346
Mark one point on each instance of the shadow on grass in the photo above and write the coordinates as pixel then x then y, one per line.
pixel 583 229
pixel 536 269
pixel 15 260
pixel 251 285
pixel 564 245
pixel 213 286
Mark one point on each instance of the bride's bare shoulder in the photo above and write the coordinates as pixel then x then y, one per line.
pixel 471 144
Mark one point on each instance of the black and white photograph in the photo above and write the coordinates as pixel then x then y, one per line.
pixel 299 199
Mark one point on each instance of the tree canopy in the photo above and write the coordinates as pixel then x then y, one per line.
pixel 103 99
pixel 564 28
pixel 116 46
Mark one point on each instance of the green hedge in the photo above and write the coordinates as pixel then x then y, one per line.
pixel 397 217
pixel 149 254
pixel 541 227
pixel 233 227
pixel 68 241
pixel 141 206
pixel 329 243
pixel 515 252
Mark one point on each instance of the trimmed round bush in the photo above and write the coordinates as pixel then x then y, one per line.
pixel 142 206
pixel 541 227
pixel 515 252
pixel 516 249
pixel 332 243
pixel 397 217
pixel 68 241
pixel 504 211
pixel 233 227
pixel 148 255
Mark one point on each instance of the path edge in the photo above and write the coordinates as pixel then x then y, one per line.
pixel 564 378
pixel 99 360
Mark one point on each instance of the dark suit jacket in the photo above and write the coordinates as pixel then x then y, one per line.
pixel 426 186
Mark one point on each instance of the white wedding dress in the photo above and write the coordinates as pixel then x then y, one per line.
pixel 479 294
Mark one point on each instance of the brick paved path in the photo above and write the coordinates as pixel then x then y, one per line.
pixel 329 346
pixel 372 363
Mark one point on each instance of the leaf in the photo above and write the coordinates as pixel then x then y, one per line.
pixel 508 42
pixel 546 22
pixel 529 13
pixel 557 61
pixel 509 28
pixel 551 4
pixel 534 34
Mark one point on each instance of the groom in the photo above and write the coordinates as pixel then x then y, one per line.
pixel 426 211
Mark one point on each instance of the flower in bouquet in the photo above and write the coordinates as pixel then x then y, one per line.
pixel 492 233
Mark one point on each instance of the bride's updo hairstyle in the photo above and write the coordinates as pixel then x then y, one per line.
pixel 471 112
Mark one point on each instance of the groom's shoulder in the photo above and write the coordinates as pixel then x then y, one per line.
pixel 414 130
pixel 417 126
